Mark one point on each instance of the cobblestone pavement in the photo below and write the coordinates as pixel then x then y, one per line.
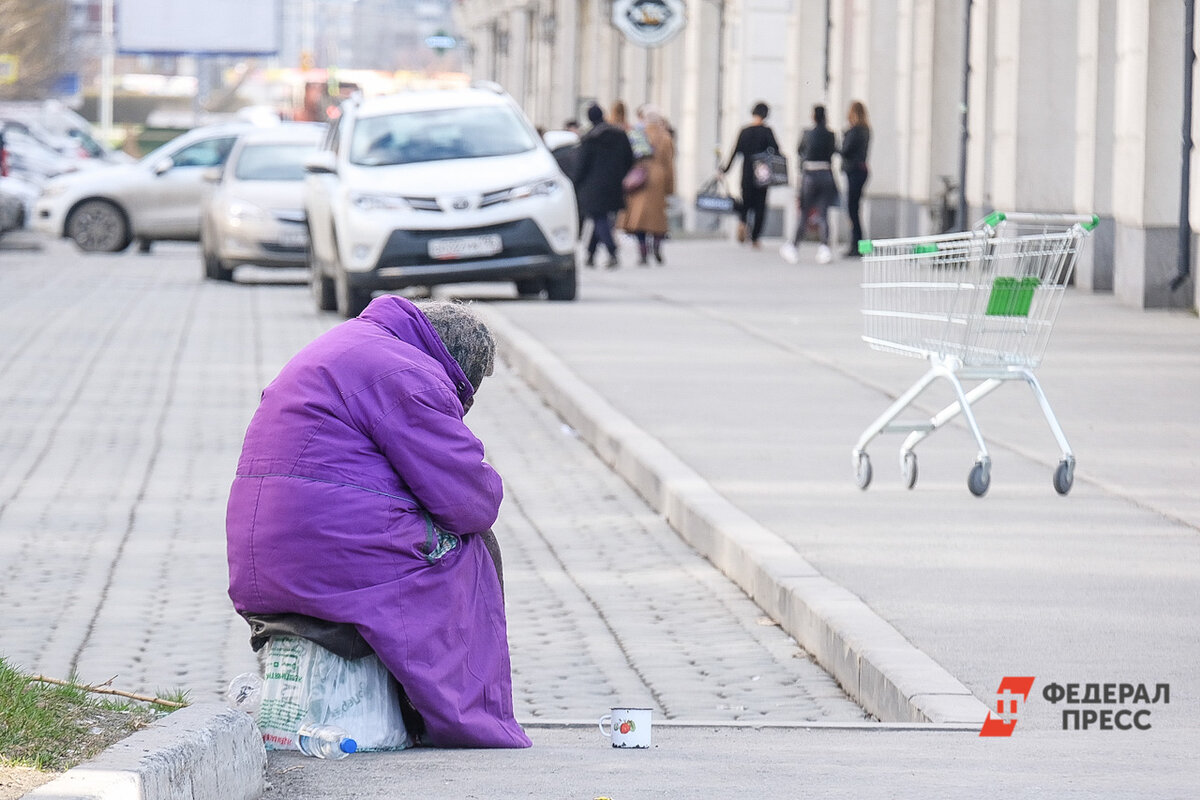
pixel 126 383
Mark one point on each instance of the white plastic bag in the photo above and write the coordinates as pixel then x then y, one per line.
pixel 304 682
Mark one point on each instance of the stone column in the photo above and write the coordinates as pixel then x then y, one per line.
pixel 1146 153
pixel 1096 60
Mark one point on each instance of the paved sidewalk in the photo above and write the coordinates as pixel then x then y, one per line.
pixel 125 376
pixel 752 373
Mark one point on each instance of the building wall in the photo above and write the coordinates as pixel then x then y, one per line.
pixel 1073 107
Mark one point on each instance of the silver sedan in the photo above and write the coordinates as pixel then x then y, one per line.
pixel 254 212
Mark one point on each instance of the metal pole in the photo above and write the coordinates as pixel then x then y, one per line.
pixel 1185 224
pixel 106 70
pixel 963 119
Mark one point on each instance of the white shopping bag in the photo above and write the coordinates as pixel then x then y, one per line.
pixel 304 682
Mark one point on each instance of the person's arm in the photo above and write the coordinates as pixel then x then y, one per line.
pixel 737 148
pixel 421 433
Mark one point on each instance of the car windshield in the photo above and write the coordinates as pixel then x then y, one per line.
pixel 272 162
pixel 438 135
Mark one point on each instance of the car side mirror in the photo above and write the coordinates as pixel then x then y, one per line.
pixel 162 166
pixel 322 162
pixel 211 175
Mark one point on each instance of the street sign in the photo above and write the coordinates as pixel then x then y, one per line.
pixel 441 42
pixel 649 23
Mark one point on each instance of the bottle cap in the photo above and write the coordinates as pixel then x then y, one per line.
pixel 349 746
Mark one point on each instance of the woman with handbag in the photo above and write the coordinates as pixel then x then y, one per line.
pixel 645 214
pixel 818 189
pixel 753 139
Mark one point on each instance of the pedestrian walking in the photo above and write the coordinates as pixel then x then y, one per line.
pixel 362 499
pixel 753 139
pixel 605 156
pixel 645 215
pixel 818 189
pixel 855 143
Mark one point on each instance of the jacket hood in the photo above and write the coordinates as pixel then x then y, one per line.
pixel 402 319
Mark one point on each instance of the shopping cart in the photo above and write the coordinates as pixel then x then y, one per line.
pixel 979 306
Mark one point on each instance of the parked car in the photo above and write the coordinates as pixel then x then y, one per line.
pixel 156 198
pixel 65 130
pixel 30 157
pixel 254 213
pixel 433 187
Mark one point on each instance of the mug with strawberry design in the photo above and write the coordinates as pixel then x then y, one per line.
pixel 627 727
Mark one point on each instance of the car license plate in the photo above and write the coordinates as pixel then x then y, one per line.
pixel 466 246
pixel 293 237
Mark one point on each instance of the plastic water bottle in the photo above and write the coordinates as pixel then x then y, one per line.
pixel 325 741
pixel 245 693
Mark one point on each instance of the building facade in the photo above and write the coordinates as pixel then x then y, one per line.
pixel 1072 106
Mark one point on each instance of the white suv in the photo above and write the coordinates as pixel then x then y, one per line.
pixel 432 187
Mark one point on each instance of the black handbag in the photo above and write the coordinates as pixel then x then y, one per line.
pixel 769 168
pixel 714 196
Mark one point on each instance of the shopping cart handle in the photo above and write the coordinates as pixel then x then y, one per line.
pixel 1086 221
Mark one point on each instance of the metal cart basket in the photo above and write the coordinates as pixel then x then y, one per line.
pixel 979 306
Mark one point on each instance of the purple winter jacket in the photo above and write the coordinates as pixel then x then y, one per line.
pixel 357 438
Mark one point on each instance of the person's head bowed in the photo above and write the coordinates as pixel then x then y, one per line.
pixel 465 336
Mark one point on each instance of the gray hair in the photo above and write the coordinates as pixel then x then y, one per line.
pixel 465 336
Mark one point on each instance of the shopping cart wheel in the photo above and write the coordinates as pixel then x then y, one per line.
pixel 1064 476
pixel 979 479
pixel 909 466
pixel 862 470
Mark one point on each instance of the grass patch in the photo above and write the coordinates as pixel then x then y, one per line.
pixel 53 728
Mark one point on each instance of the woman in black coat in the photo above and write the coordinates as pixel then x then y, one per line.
pixel 752 140
pixel 855 142
pixel 605 156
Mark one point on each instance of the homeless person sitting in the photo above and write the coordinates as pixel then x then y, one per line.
pixel 362 498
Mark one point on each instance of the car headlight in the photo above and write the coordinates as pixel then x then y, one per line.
pixel 373 201
pixel 538 189
pixel 240 211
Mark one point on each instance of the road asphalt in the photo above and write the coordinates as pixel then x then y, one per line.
pixel 727 388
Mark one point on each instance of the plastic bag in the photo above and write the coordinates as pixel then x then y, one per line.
pixel 304 682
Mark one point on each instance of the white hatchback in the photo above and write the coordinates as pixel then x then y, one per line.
pixel 432 187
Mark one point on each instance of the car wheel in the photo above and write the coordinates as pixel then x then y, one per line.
pixel 214 268
pixel 321 284
pixel 350 301
pixel 561 287
pixel 98 226
pixel 530 288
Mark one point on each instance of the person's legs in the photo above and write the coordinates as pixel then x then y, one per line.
pixel 760 216
pixel 604 236
pixel 593 241
pixel 643 248
pixel 658 240
pixel 855 181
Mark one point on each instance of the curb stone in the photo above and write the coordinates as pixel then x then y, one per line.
pixel 873 662
pixel 207 751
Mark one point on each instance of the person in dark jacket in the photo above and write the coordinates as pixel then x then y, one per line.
pixel 604 157
pixel 855 142
pixel 752 140
pixel 818 189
